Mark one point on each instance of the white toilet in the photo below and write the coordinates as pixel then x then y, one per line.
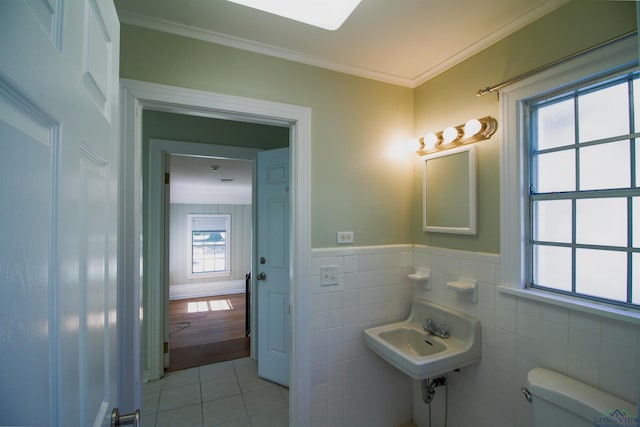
pixel 560 401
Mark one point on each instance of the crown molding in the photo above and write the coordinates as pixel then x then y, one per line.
pixel 291 55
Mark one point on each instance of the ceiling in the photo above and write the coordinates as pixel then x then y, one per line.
pixel 193 180
pixel 404 42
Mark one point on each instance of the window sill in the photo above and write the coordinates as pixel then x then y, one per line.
pixel 598 309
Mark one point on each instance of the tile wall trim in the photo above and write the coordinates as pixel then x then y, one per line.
pixel 360 250
pixel 478 256
pixel 572 303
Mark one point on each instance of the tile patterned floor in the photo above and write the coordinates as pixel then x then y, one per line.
pixel 226 394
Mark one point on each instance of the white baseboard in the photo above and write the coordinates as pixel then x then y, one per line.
pixel 206 289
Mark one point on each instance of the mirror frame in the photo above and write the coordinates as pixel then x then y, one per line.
pixel 471 173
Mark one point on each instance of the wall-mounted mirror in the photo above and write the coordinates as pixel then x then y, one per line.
pixel 449 199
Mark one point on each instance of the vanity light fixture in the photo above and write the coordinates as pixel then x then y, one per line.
pixel 472 131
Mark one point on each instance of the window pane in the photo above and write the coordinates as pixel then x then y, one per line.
pixel 556 125
pixel 552 267
pixel 636 102
pixel 604 113
pixel 601 274
pixel 601 221
pixel 636 222
pixel 556 172
pixel 197 252
pixel 636 279
pixel 637 183
pixel 605 166
pixel 552 221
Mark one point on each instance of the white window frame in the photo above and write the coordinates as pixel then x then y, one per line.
pixel 227 271
pixel 514 170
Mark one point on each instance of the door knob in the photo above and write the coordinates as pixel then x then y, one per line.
pixel 122 420
pixel 262 276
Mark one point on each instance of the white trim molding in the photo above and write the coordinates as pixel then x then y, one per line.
pixel 206 289
pixel 513 170
pixel 590 307
pixel 143 95
pixel 129 258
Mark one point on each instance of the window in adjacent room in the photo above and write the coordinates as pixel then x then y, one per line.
pixel 209 243
pixel 583 159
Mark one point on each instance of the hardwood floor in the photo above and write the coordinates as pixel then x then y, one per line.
pixel 207 330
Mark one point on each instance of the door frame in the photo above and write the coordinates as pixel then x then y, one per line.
pixel 139 95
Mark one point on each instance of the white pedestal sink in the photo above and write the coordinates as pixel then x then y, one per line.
pixel 420 355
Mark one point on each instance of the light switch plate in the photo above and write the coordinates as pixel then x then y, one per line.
pixel 328 275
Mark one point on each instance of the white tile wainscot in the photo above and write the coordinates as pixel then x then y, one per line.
pixel 519 334
pixel 354 387
pixel 351 385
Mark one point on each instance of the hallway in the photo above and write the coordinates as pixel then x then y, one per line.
pixel 220 394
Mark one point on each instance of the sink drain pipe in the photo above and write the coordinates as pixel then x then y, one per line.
pixel 429 392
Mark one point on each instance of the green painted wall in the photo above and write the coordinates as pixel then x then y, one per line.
pixel 180 127
pixel 357 184
pixel 450 99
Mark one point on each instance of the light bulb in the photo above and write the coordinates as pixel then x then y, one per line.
pixel 449 135
pixel 472 127
pixel 430 141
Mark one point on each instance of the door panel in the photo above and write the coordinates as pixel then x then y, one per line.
pixel 278 305
pixel 28 150
pixel 59 217
pixel 274 326
pixel 49 14
pixel 97 319
pixel 277 244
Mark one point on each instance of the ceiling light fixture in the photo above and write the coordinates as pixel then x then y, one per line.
pixel 473 131
pixel 327 14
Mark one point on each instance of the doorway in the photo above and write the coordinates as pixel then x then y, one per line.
pixel 210 233
pixel 181 167
pixel 138 95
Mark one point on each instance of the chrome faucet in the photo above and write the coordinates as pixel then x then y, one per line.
pixel 440 331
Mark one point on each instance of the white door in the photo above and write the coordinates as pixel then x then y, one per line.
pixel 58 223
pixel 272 278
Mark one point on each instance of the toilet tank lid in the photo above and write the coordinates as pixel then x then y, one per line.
pixel 573 395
